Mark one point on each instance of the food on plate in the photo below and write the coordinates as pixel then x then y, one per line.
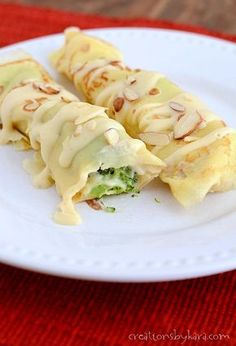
pixel 198 148
pixel 77 146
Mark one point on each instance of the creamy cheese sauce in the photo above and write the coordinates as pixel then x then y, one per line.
pixel 197 144
pixel 69 139
pixel 151 111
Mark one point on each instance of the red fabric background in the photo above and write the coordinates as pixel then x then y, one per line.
pixel 40 310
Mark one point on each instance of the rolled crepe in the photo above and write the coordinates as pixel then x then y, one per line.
pixel 77 146
pixel 197 146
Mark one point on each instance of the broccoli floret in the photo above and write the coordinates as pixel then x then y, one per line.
pixel 113 181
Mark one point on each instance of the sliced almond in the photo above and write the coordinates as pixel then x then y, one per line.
pixel 118 103
pixel 112 136
pixel 178 107
pixel 154 91
pixel 50 90
pixel 115 62
pixel 94 204
pixel 155 138
pixel 186 125
pixel 131 80
pixel 130 94
pixel 104 76
pixel 31 105
pixel 47 88
pixel 66 100
pixel 1 89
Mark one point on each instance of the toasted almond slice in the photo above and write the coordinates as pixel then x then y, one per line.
pixel 50 90
pixel 112 136
pixel 131 80
pixel 31 105
pixel 117 63
pixel 176 106
pixel 104 76
pixel 118 103
pixel 47 88
pixel 155 138
pixel 94 204
pixel 186 125
pixel 1 89
pixel 154 91
pixel 66 100
pixel 130 94
pixel 91 125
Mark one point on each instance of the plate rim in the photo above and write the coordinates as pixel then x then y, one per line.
pixel 21 263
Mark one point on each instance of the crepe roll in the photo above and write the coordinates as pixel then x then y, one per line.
pixel 199 149
pixel 77 146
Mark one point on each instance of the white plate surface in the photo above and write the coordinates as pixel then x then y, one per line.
pixel 143 240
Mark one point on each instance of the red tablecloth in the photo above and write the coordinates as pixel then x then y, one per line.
pixel 40 310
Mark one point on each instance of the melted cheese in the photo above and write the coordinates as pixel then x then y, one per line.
pixel 197 144
pixel 49 122
pixel 151 111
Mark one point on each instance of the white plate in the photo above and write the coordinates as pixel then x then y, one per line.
pixel 143 240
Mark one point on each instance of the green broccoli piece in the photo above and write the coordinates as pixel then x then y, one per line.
pixel 113 181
